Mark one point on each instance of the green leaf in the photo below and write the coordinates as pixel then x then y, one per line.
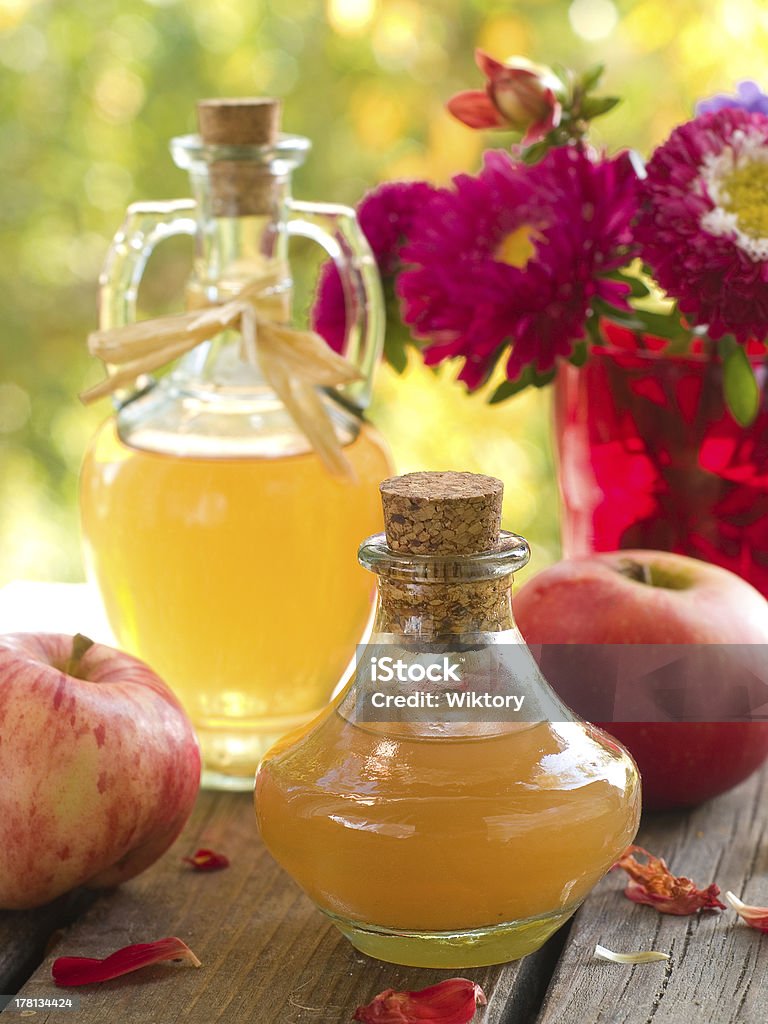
pixel 508 389
pixel 662 325
pixel 565 75
pixel 532 154
pixel 592 325
pixel 580 353
pixel 637 288
pixel 742 394
pixel 541 380
pixel 528 378
pixel 591 77
pixel 396 355
pixel 595 106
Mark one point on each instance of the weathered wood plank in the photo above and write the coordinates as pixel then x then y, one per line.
pixel 717 969
pixel 268 956
pixel 24 935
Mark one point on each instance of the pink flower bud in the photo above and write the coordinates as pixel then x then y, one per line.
pixel 518 96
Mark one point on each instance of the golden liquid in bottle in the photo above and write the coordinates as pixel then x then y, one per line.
pixel 235 579
pixel 499 838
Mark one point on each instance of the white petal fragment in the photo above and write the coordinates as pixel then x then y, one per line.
pixel 643 956
pixel 735 903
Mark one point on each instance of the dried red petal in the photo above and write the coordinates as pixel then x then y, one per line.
pixel 86 970
pixel 756 917
pixel 450 1002
pixel 207 860
pixel 655 885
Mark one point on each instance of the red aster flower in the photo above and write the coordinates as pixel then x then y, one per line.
pixel 515 257
pixel 703 226
pixel 385 216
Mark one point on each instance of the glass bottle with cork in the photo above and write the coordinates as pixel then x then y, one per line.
pixel 488 808
pixel 222 504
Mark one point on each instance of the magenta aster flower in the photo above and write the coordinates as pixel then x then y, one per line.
pixel 386 215
pixel 515 257
pixel 703 226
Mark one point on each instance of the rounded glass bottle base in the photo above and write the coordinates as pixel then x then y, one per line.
pixel 231 756
pixel 477 947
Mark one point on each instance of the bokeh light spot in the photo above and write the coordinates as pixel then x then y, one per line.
pixel 12 11
pixel 86 254
pixel 648 27
pixel 378 117
pixel 396 39
pixel 593 19
pixel 351 17
pixel 119 94
pixel 23 50
pixel 504 36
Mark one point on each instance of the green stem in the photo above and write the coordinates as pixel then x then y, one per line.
pixel 80 644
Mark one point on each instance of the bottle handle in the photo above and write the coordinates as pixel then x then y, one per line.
pixel 144 226
pixel 338 231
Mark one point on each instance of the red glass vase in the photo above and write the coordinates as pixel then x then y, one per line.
pixel 650 457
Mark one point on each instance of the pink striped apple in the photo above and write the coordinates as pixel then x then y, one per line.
pixel 647 598
pixel 99 764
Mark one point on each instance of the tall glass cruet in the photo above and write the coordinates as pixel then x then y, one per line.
pixel 222 504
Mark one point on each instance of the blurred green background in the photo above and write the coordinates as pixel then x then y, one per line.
pixel 91 91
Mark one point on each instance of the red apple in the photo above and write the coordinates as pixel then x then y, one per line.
pixel 650 598
pixel 100 767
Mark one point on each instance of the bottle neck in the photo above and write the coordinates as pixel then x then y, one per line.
pixel 429 596
pixel 242 194
pixel 436 609
pixel 239 241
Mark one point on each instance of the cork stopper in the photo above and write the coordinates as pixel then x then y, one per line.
pixel 253 121
pixel 442 513
pixel 240 188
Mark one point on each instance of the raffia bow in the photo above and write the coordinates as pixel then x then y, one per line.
pixel 294 362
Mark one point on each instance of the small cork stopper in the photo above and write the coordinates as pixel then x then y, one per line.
pixel 442 513
pixel 253 121
pixel 241 188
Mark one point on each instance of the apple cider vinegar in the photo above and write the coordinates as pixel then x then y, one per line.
pixel 429 837
pixel 466 834
pixel 206 570
pixel 222 506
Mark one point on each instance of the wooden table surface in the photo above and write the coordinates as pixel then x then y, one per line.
pixel 269 957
